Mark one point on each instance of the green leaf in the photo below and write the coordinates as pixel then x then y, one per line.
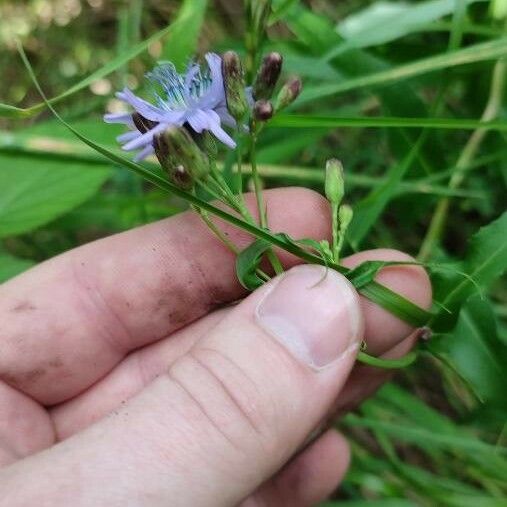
pixel 10 111
pixel 35 191
pixel 472 54
pixel 384 22
pixel 485 261
pixel 316 121
pixel 247 264
pixel 185 34
pixel 475 352
pixel 11 266
pixel 365 273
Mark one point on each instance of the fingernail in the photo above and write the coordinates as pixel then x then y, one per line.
pixel 314 313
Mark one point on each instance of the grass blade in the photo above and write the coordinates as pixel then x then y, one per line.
pixel 477 53
pixel 315 121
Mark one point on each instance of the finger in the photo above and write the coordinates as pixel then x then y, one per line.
pixel 67 322
pixel 129 378
pixel 308 479
pixel 141 367
pixel 25 427
pixel 226 416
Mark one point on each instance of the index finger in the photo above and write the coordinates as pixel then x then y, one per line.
pixel 69 321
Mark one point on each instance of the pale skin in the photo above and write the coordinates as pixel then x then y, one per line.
pixel 104 399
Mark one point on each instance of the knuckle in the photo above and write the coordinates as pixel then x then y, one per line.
pixel 228 400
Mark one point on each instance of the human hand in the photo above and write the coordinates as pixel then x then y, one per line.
pixel 125 381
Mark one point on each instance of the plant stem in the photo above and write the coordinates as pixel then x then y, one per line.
pixel 335 232
pixel 256 177
pixel 223 237
pixel 438 221
pixel 263 219
pixel 216 230
pixel 402 362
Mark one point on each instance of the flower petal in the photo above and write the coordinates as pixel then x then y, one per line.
pixel 198 120
pixel 217 130
pixel 225 117
pixel 145 152
pixel 215 94
pixel 125 118
pixel 144 108
pixel 128 136
pixel 144 139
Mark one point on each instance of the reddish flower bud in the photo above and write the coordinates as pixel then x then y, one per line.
pixel 268 75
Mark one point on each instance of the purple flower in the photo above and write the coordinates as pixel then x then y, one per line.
pixel 196 98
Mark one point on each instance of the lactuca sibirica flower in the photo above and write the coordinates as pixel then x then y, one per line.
pixel 195 99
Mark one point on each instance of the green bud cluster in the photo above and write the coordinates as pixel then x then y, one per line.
pixel 181 157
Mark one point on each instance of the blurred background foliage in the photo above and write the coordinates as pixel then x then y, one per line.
pixel 435 435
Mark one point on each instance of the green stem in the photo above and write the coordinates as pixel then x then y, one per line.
pixel 377 362
pixel 216 230
pixel 263 219
pixel 256 178
pixel 335 226
pixel 223 237
pixel 493 106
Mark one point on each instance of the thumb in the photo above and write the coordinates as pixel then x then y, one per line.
pixel 238 405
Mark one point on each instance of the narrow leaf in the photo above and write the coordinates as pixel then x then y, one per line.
pixel 247 264
pixel 318 121
pixel 477 53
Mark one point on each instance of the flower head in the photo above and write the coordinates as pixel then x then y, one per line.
pixel 195 99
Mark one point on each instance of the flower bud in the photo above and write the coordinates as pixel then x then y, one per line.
pixel 180 156
pixel 234 85
pixel 263 110
pixel 345 215
pixel 288 94
pixel 334 185
pixel 267 77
